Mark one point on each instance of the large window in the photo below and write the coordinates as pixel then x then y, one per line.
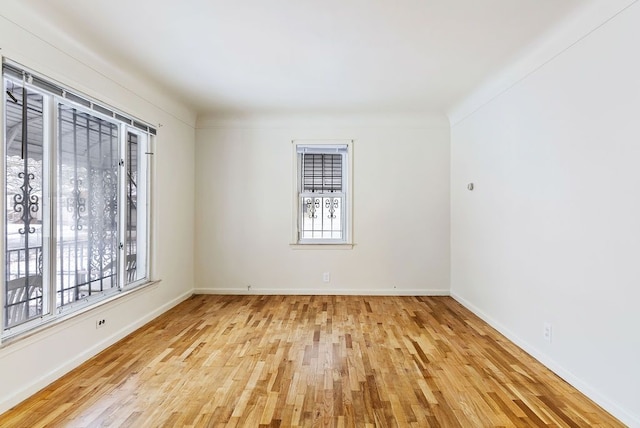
pixel 322 195
pixel 76 201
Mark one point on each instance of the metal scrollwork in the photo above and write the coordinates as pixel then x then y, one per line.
pixel 332 205
pixel 312 205
pixel 39 262
pixel 110 191
pixel 103 215
pixel 26 203
pixel 76 205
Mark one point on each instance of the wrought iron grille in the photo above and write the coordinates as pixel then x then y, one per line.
pixel 88 205
pixel 23 189
pixel 132 207
pixel 321 216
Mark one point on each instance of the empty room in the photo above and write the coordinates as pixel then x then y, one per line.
pixel 417 213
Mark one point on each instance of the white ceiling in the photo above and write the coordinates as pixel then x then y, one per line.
pixel 310 55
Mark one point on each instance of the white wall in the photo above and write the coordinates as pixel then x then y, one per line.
pixel 551 232
pixel 28 364
pixel 244 185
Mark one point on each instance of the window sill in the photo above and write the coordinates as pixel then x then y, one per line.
pixel 321 246
pixel 20 335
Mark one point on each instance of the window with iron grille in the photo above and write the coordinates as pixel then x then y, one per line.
pixel 76 201
pixel 322 190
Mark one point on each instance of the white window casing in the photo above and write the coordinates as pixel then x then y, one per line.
pixel 322 194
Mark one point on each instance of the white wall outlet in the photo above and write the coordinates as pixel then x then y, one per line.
pixel 547 332
pixel 326 277
pixel 100 323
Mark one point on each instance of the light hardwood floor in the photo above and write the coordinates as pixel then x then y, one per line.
pixel 261 361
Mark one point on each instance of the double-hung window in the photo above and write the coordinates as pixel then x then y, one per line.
pixel 76 201
pixel 323 192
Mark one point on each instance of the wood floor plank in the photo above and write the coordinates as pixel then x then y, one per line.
pixel 288 361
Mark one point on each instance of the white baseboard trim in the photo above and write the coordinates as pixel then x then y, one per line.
pixel 37 385
pixel 604 402
pixel 321 292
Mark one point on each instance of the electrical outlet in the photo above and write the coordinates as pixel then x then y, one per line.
pixel 100 323
pixel 547 332
pixel 326 277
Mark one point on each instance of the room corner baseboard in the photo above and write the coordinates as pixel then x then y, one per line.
pixel 604 402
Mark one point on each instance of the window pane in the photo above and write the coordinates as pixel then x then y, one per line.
pixel 322 193
pixel 24 166
pixel 321 216
pixel 92 164
pixel 136 189
pixel 87 170
pixel 321 172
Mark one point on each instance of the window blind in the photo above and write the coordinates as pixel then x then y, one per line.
pixel 321 172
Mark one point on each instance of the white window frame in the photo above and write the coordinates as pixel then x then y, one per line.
pixel 52 313
pixel 326 146
pixel 145 142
